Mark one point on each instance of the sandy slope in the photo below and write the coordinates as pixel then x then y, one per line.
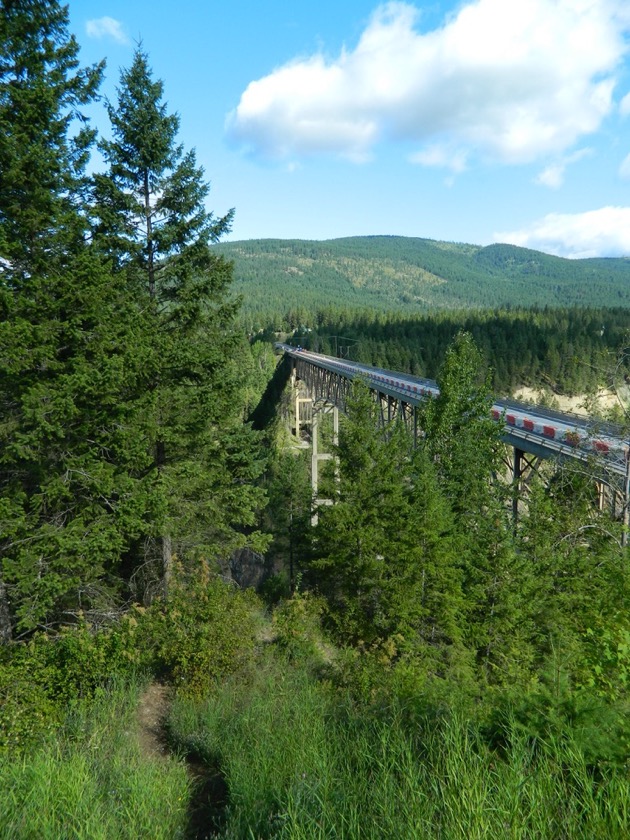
pixel 605 400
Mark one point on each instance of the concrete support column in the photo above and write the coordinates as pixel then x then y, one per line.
pixel 601 495
pixel 336 441
pixel 317 456
pixel 314 463
pixel 297 414
pixel 626 503
pixel 315 452
pixel 516 482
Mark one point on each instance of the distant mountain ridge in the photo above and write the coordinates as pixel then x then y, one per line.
pixel 415 275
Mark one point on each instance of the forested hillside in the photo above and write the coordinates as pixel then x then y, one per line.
pixel 291 279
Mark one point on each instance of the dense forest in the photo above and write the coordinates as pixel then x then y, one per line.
pixel 418 662
pixel 568 351
pixel 411 276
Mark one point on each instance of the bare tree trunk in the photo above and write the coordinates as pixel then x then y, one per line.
pixel 167 564
pixel 5 618
pixel 165 539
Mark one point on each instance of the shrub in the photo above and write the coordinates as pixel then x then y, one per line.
pixel 41 679
pixel 297 625
pixel 205 631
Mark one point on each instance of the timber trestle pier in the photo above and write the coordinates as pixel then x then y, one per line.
pixel 532 434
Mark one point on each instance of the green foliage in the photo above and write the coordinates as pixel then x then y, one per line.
pixel 297 627
pixel 288 511
pixel 151 220
pixel 28 713
pixel 606 651
pixel 461 436
pixel 579 583
pixel 465 444
pixel 384 554
pixel 554 711
pixel 74 463
pixel 204 632
pixel 42 89
pixel 301 761
pixel 418 558
pixel 41 680
pixel 122 387
pixel 92 783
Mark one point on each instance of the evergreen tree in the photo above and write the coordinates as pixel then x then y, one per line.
pixel 465 445
pixel 288 511
pixel 42 89
pixel 72 360
pixel 580 573
pixel 150 204
pixel 353 540
pixel 73 441
pixel 150 217
pixel 385 554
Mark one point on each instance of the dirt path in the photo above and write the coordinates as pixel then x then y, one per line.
pixel 152 713
pixel 209 792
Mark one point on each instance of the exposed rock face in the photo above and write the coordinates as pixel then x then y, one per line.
pixel 248 568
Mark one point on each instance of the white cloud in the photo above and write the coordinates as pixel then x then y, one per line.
pixel 596 233
pixel 624 169
pixel 514 81
pixel 455 160
pixel 553 175
pixel 106 27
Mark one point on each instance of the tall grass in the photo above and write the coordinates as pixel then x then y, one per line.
pixel 91 782
pixel 301 762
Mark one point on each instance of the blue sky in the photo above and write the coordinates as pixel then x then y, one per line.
pixel 486 121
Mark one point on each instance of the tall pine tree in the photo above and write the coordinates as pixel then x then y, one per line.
pixel 385 554
pixel 464 443
pixel 42 91
pixel 152 221
pixel 73 464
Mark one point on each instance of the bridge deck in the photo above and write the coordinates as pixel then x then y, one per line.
pixel 538 430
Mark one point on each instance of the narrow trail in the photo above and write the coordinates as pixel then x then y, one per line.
pixel 153 709
pixel 209 791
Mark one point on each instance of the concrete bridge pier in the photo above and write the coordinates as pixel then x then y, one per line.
pixel 309 412
pixel 317 457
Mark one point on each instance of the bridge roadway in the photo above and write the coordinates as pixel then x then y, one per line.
pixel 538 431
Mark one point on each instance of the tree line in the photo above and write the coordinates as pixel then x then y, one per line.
pixel 567 351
